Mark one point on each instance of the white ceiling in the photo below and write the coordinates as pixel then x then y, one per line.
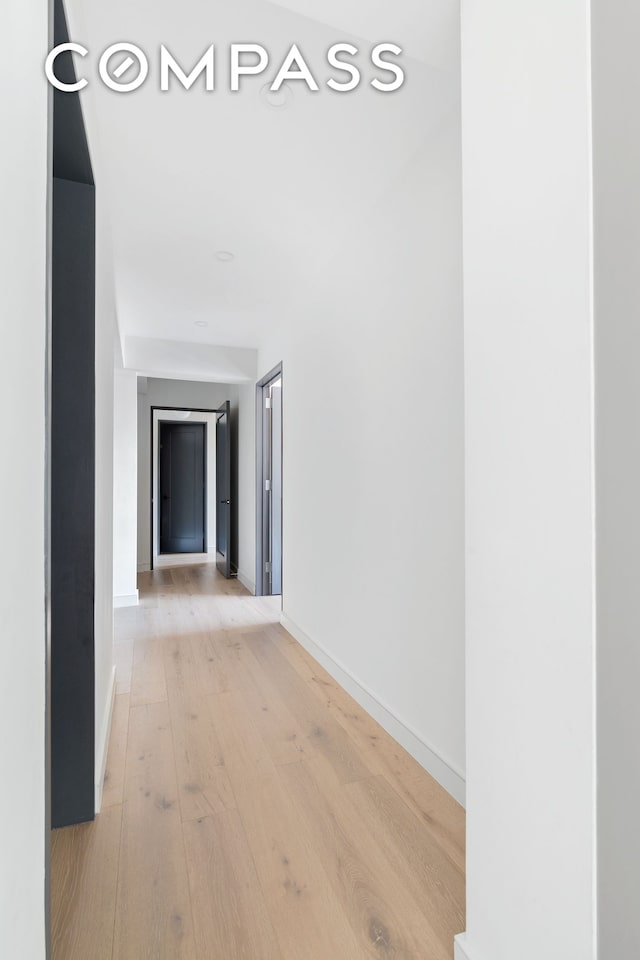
pixel 187 174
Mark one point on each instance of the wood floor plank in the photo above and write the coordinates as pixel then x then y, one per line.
pixel 153 915
pixel 306 914
pixel 113 786
pixel 284 735
pixel 84 871
pixel 214 675
pixel 324 732
pixel 385 917
pixel 203 782
pixel 230 916
pixel 148 682
pixel 420 860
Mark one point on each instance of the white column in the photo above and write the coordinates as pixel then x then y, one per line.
pixel 529 481
pixel 125 488
pixel 23 313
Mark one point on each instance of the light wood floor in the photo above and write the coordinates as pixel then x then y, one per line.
pixel 252 810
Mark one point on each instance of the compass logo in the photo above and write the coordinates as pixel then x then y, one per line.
pixel 124 67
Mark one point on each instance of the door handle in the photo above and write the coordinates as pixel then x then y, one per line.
pixel 166 497
pixel 225 501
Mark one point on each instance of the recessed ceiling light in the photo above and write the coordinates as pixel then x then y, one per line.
pixel 201 323
pixel 225 256
pixel 277 98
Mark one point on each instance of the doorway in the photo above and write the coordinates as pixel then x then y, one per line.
pixel 192 532
pixel 269 484
pixel 182 488
pixel 203 419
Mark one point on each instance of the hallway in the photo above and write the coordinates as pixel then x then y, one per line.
pixel 251 808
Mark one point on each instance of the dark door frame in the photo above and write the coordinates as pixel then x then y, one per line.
pixel 205 512
pixel 262 514
pixel 151 465
pixel 224 562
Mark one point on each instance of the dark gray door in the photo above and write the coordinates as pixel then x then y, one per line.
pixel 269 489
pixel 223 489
pixel 182 487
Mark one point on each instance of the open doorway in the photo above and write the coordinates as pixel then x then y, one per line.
pixel 193 487
pixel 182 487
pixel 269 485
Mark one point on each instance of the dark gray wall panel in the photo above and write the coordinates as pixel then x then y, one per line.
pixel 72 503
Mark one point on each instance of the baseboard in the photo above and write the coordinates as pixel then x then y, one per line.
pixel 103 746
pixel 460 948
pixel 144 567
pixel 247 582
pixel 447 776
pixel 129 600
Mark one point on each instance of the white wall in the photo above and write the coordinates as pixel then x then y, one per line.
pixel 193 394
pixel 529 481
pixel 23 232
pixel 125 488
pixel 616 81
pixel 180 360
pixel 373 529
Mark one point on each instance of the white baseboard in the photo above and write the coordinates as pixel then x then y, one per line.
pixel 103 742
pixel 460 948
pixel 441 770
pixel 129 600
pixel 247 582
pixel 144 567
